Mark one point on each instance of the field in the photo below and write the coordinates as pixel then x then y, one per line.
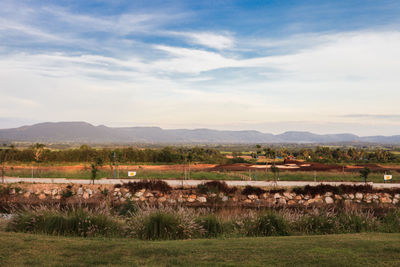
pixel 146 173
pixel 372 249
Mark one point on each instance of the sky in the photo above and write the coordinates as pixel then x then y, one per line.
pixel 272 66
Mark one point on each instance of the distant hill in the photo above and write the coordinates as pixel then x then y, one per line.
pixel 82 132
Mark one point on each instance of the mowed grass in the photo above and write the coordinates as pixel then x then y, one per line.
pixel 19 249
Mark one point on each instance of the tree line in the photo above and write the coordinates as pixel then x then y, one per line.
pixel 39 153
pixel 327 154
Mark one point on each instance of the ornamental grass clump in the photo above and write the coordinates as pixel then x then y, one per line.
pixel 211 224
pixel 163 223
pixel 75 222
pixel 268 224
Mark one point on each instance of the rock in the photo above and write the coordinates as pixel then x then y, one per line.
pixel 202 199
pixel 309 201
pixel 54 192
pixel 47 192
pixel 181 200
pixel 395 201
pixel 27 194
pixel 328 194
pixel 247 201
pixel 225 198
pixel 89 191
pixel 42 196
pixel 298 197
pixel 122 199
pixel 307 197
pixel 142 190
pixel 128 195
pixel 338 197
pixel 386 200
pixel 58 197
pixel 282 201
pixel 359 196
pixel 397 196
pixel 213 195
pixel 139 194
pixel 149 195
pixel 291 202
pixel 162 199
pixel 221 195
pixel 277 195
pixel 191 199
pixel 252 197
pixel 117 189
pixel 234 199
pixel 115 193
pixel 288 195
pixel 351 196
pixel 80 191
pixel 85 195
pixel 142 198
pixel 328 200
pixel 193 196
pixel 12 191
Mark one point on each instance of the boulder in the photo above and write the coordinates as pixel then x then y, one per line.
pixel 149 195
pixel 282 201
pixel 329 200
pixel 202 199
pixel 139 194
pixel 395 201
pixel 328 194
pixel 252 197
pixel 191 199
pixel 162 199
pixel 288 195
pixel 359 196
pixel 386 200
pixel 193 196
pixel 277 195
pixel 291 202
pixel 47 192
pixel 225 198
pixel 338 197
pixel 80 191
pixel 27 194
pixel 85 195
pixel 89 191
pixel 117 189
pixel 42 196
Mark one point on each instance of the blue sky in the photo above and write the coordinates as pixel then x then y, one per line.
pixel 273 66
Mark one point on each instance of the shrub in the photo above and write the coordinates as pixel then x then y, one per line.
pixel 215 187
pixel 154 185
pixel 211 224
pixel 390 223
pixel 250 190
pixel 70 223
pixel 164 223
pixel 129 207
pixel 268 224
pixel 316 224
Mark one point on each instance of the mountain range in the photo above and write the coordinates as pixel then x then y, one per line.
pixel 82 132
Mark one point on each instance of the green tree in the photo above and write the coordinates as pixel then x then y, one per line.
pixel 364 173
pixel 95 168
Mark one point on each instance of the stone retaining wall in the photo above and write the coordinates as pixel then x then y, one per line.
pixel 87 193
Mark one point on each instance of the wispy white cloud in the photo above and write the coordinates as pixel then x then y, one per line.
pixel 214 40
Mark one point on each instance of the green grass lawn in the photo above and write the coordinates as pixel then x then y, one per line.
pixel 372 249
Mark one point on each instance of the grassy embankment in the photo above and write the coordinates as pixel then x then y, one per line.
pixel 372 249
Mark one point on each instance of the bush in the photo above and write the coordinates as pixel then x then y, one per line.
pixel 316 224
pixel 69 223
pixel 154 185
pixel 164 223
pixel 129 207
pixel 250 190
pixel 211 224
pixel 268 224
pixel 215 187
